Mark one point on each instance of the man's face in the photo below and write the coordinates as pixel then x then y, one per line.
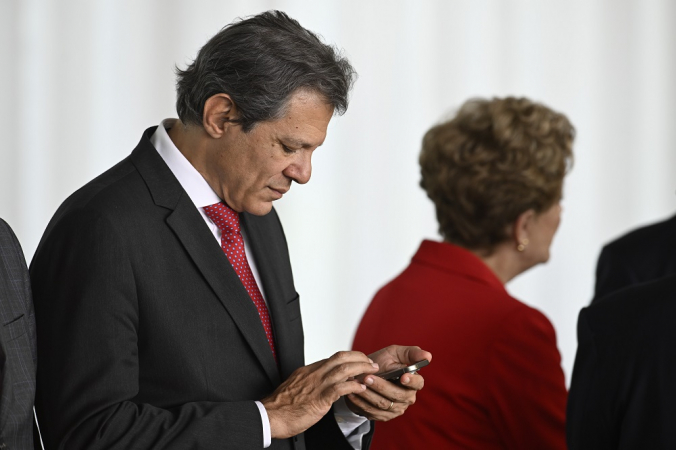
pixel 251 170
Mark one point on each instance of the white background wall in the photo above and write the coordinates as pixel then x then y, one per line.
pixel 81 79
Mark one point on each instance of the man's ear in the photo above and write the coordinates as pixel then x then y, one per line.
pixel 522 229
pixel 219 112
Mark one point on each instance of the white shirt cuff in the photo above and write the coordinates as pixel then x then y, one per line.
pixel 267 434
pixel 352 426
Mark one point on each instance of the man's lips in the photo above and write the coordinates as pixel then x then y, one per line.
pixel 279 191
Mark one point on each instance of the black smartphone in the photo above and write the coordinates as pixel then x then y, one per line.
pixel 394 375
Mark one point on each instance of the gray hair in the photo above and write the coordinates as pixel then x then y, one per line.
pixel 259 62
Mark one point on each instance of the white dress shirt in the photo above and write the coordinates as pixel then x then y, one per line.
pixel 352 425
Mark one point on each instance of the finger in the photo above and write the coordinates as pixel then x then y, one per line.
pixel 343 365
pixel 372 412
pixel 335 391
pixel 396 356
pixel 408 380
pixel 346 357
pixel 344 370
pixel 343 356
pixel 412 381
pixel 410 354
pixel 392 391
pixel 379 401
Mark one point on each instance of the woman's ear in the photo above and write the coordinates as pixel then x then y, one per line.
pixel 522 229
pixel 219 112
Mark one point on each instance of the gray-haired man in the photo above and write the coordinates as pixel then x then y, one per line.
pixel 166 310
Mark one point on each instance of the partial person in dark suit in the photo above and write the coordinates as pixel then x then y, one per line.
pixel 644 254
pixel 622 394
pixel 495 174
pixel 17 346
pixel 166 310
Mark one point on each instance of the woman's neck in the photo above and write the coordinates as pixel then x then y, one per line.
pixel 505 261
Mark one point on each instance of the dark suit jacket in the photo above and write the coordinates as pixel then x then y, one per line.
pixel 146 336
pixel 496 380
pixel 17 346
pixel 623 391
pixel 645 254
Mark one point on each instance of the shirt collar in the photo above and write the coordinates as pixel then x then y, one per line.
pixel 190 179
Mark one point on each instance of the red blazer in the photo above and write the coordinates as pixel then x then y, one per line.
pixel 495 381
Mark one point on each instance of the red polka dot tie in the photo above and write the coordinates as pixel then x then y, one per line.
pixel 232 243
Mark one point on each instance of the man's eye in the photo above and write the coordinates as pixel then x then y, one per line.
pixel 287 149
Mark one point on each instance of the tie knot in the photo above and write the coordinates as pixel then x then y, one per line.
pixel 225 218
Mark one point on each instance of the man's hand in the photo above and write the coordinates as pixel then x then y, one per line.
pixel 385 400
pixel 307 395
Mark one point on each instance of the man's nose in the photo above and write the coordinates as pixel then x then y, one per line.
pixel 301 169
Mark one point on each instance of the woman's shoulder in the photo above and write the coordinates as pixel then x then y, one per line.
pixel 523 322
pixel 507 305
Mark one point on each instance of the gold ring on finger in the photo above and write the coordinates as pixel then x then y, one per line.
pixel 391 405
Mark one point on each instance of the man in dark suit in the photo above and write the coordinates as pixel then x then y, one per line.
pixel 166 311
pixel 623 394
pixel 17 346
pixel 644 254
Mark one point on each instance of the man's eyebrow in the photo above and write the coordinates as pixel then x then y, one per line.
pixel 296 143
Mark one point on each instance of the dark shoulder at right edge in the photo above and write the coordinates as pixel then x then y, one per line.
pixel 637 307
pixel 657 234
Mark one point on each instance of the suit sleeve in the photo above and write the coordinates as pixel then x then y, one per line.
pixel 88 377
pixel 526 385
pixel 586 427
pixel 611 274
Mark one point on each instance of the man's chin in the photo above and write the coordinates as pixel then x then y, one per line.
pixel 259 209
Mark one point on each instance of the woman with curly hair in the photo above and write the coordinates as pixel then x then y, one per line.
pixel 495 174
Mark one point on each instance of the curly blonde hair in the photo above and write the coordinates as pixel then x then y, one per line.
pixel 493 161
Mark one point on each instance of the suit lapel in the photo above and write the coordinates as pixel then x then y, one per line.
pixel 199 243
